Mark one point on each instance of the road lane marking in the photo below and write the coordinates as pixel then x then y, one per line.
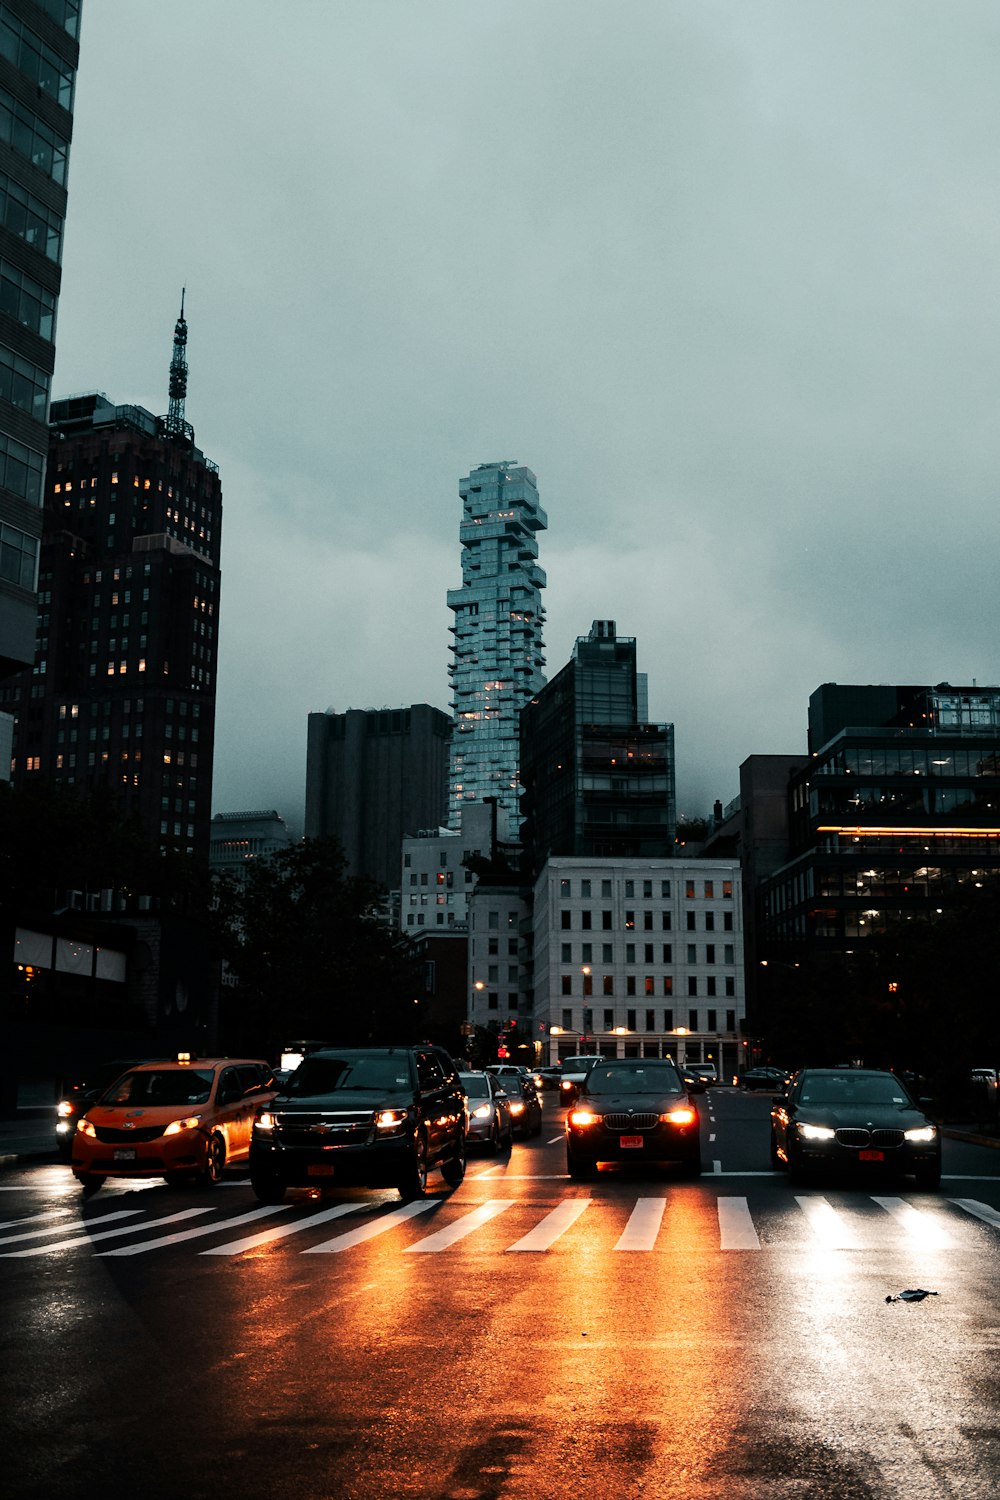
pixel 555 1140
pixel 717 1168
pixel 736 1231
pixel 920 1225
pixel 978 1210
pixel 107 1234
pixel 445 1238
pixel 200 1231
pixel 49 1213
pixel 828 1226
pixel 282 1231
pixel 369 1231
pixel 556 1223
pixel 643 1226
pixel 62 1227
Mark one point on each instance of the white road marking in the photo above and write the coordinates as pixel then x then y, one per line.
pixel 643 1226
pixel 545 1234
pixel 369 1231
pixel 829 1227
pixel 555 1140
pixel 717 1169
pixel 711 1138
pixel 282 1231
pixel 199 1233
pixel 49 1213
pixel 978 1210
pixel 445 1238
pixel 920 1225
pixel 107 1234
pixel 736 1231
pixel 62 1227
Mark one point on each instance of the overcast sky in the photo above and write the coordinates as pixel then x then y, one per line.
pixel 724 273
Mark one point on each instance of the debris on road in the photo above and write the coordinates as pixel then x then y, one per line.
pixel 912 1294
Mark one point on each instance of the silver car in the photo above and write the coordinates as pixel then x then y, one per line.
pixel 489 1112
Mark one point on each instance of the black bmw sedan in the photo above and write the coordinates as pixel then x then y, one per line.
pixel 632 1110
pixel 856 1120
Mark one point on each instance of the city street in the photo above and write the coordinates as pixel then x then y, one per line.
pixel 523 1336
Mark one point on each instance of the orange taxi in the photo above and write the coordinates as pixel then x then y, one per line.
pixel 183 1120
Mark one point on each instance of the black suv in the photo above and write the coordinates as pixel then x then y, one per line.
pixel 362 1117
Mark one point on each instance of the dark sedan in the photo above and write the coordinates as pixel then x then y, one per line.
pixel 632 1111
pixel 770 1080
pixel 856 1120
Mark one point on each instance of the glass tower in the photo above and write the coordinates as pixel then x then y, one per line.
pixel 497 655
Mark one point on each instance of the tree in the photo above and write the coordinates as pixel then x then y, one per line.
pixel 310 955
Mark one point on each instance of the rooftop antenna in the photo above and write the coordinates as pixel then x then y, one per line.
pixel 178 376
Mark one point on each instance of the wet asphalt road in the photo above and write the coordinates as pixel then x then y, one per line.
pixel 521 1337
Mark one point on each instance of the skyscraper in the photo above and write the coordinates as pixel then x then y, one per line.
pixel 122 692
pixel 38 58
pixel 497 651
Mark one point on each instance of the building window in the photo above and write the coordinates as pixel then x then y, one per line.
pixel 588 984
pixel 585 920
pixel 668 953
pixel 606 889
pixel 730 1020
pixel 608 983
pixel 709 889
pixel 492 1000
pixel 666 923
pixel 630 953
pixel 567 1020
pixel 647 888
pixel 727 921
pixel 710 1021
pixel 630 921
pixel 630 1020
pixel 730 986
pixel 585 888
pixel 710 921
pixel 690 921
pixel 665 888
pixel 651 1020
pixel 710 985
pixel 648 953
pixel 668 984
pixel 609 1020
pixel 607 953
pixel 692 1020
pixel 630 887
pixel 650 985
pixel 586 953
pixel 566 889
pixel 689 889
pixel 692 953
pixel 710 953
pixel 727 889
pixel 566 954
pixel 668 1020
pixel 565 920
pixel 630 984
pixel 692 985
pixel 606 920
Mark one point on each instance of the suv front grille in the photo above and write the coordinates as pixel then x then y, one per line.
pixel 630 1122
pixel 327 1127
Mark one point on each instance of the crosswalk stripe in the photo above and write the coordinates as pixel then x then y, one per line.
pixel 281 1231
pixel 445 1238
pixel 369 1231
pixel 978 1210
pixel 736 1229
pixel 828 1226
pixel 643 1226
pixel 107 1234
pixel 48 1213
pixel 545 1234
pixel 62 1227
pixel 920 1225
pixel 199 1232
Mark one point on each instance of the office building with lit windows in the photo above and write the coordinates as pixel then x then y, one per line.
pixel 639 958
pixel 497 650
pixel 39 51
pixel 122 691
pixel 895 810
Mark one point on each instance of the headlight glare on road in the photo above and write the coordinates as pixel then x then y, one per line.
pixel 681 1114
pixel 85 1128
pixel 924 1133
pixel 815 1132
pixel 188 1123
pixel 583 1117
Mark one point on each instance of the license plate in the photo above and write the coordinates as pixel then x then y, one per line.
pixel 320 1171
pixel 124 1153
pixel 871 1156
pixel 630 1142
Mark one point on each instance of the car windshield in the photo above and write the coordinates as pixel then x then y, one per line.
pixel 325 1074
pixel 162 1089
pixel 475 1086
pixel 653 1078
pixel 579 1064
pixel 845 1088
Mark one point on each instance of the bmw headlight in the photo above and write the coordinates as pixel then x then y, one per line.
pixel 815 1132
pixel 921 1133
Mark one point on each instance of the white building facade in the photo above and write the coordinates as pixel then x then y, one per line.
pixel 639 958
pixel 435 884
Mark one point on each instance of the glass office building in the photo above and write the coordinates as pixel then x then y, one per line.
pixel 497 653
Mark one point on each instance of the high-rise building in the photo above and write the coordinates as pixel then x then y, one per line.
pixel 239 838
pixel 497 651
pixel 598 780
pixel 373 777
pixel 122 691
pixel 39 50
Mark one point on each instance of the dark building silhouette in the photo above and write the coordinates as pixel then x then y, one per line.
pixel 38 59
pixel 122 692
pixel 374 777
pixel 598 780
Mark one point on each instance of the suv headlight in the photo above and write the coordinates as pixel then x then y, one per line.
pixel 390 1119
pixel 924 1133
pixel 815 1132
pixel 176 1126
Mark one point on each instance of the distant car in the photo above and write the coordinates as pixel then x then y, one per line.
pixel 706 1072
pixel 692 1081
pixel 82 1094
pixel 507 1071
pixel 771 1080
pixel 546 1077
pixel 525 1107
pixel 632 1110
pixel 490 1121
pixel 181 1120
pixel 572 1072
pixel 857 1120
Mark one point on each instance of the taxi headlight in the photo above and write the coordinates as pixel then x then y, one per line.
pixel 85 1128
pixel 176 1126
pixel 481 1112
pixel 583 1117
pixel 815 1132
pixel 923 1133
